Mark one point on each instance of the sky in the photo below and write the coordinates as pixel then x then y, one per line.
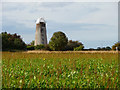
pixel 95 24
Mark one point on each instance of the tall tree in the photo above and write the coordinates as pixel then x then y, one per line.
pixel 58 41
pixel 12 42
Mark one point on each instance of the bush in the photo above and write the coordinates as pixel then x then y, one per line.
pixel 47 47
pixel 73 44
pixel 116 46
pixel 104 48
pixel 40 47
pixel 79 48
pixel 58 41
pixel 31 47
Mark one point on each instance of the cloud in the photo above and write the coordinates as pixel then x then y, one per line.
pixel 80 21
pixel 107 14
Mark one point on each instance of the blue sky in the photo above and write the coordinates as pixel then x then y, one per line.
pixel 93 24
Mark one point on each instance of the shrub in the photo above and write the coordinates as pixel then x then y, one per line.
pixel 116 46
pixel 31 47
pixel 40 47
pixel 79 48
pixel 47 47
pixel 73 44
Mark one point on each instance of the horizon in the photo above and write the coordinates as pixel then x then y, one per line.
pixel 93 24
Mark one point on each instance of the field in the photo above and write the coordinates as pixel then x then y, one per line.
pixel 60 70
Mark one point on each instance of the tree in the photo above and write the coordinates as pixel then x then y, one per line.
pixel 47 47
pixel 73 44
pixel 12 42
pixel 116 46
pixel 79 48
pixel 99 48
pixel 104 48
pixel 18 43
pixel 108 48
pixel 113 47
pixel 32 43
pixel 58 41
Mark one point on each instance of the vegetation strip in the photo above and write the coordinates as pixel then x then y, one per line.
pixel 60 70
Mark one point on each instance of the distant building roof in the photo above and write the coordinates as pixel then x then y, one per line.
pixel 40 20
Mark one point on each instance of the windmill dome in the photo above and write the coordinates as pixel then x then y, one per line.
pixel 40 20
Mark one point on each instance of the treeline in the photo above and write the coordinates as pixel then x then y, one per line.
pixel 12 42
pixel 71 45
pixel 58 42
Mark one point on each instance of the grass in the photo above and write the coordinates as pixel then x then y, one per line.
pixel 59 70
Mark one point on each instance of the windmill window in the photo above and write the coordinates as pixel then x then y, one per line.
pixel 41 30
pixel 43 39
pixel 42 34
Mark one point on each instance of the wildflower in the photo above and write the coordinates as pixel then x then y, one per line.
pixel 44 59
pixel 68 75
pixel 106 75
pixel 34 77
pixel 20 81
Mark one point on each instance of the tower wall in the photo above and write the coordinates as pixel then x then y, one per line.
pixel 40 34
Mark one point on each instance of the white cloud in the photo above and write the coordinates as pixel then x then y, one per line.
pixel 87 14
pixel 107 14
pixel 93 13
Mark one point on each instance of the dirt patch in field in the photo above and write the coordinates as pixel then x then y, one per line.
pixel 38 51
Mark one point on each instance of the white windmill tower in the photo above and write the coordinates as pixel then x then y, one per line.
pixel 40 34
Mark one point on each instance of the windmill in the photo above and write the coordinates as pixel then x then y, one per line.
pixel 40 34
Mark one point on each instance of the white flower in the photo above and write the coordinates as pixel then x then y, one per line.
pixel 34 77
pixel 106 75
pixel 74 72
pixel 20 81
pixel 68 75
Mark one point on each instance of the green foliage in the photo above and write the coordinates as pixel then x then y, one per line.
pixel 47 47
pixel 62 70
pixel 113 47
pixel 40 47
pixel 32 43
pixel 104 48
pixel 58 41
pixel 79 48
pixel 73 44
pixel 108 48
pixel 30 47
pixel 12 42
pixel 116 46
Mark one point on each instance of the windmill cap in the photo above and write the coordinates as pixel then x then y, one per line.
pixel 40 20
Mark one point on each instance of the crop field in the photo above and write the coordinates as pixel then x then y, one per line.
pixel 59 70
